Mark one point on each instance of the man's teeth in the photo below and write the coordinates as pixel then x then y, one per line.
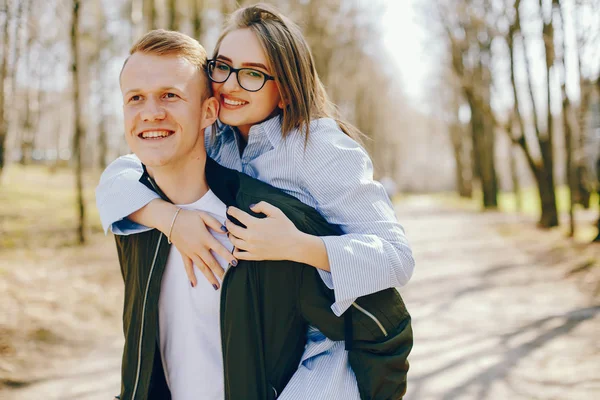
pixel 233 102
pixel 155 134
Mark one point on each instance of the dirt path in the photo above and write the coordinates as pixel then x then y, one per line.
pixel 491 321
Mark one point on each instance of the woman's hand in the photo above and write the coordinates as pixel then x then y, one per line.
pixel 194 241
pixel 273 238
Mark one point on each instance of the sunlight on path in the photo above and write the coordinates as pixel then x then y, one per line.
pixel 489 321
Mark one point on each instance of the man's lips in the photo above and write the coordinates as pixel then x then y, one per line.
pixel 155 134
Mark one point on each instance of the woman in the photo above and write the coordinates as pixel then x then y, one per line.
pixel 280 127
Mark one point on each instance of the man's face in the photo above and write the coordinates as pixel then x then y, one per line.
pixel 162 103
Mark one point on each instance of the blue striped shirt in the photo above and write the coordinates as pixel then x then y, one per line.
pixel 333 174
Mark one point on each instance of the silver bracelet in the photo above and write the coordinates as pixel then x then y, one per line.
pixel 172 224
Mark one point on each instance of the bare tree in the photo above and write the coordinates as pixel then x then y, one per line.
pixel 150 14
pixel 78 137
pixel 173 18
pixel 197 10
pixel 541 168
pixel 470 38
pixel 6 7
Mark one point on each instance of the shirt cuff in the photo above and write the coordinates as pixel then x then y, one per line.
pixel 360 265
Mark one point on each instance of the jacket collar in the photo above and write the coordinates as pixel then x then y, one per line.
pixel 224 182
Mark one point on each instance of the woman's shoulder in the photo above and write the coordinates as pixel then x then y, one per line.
pixel 326 134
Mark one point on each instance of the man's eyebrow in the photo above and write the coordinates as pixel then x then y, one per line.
pixel 160 89
pixel 246 64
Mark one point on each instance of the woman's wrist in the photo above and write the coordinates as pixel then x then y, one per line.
pixel 311 250
pixel 156 214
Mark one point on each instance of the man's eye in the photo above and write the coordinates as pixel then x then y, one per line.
pixel 171 96
pixel 137 97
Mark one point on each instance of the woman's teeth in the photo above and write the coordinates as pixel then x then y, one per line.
pixel 233 102
pixel 155 134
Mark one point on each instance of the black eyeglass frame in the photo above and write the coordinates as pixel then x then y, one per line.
pixel 237 76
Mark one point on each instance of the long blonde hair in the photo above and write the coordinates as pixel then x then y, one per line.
pixel 292 64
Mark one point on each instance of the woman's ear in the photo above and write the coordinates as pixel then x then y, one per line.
pixel 209 112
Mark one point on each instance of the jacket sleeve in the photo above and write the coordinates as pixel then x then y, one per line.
pixel 121 193
pixel 374 253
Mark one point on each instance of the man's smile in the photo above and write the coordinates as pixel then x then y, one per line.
pixel 155 134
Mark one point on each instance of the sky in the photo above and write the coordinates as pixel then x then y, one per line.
pixel 404 37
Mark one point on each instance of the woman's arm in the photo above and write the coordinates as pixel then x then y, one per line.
pixel 121 193
pixel 374 253
pixel 127 206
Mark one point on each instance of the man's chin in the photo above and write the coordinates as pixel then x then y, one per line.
pixel 153 160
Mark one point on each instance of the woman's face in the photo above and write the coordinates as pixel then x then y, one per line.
pixel 239 107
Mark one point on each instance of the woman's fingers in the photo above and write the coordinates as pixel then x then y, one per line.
pixel 236 230
pixel 221 250
pixel 212 222
pixel 268 209
pixel 189 270
pixel 239 244
pixel 241 216
pixel 207 272
pixel 212 263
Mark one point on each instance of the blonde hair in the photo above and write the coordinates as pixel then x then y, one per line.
pixel 161 42
pixel 292 65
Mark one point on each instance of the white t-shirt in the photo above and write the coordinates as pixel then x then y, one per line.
pixel 189 321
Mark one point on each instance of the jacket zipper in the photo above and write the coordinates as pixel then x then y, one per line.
pixel 139 361
pixel 374 318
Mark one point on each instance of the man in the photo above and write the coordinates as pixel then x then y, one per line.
pixel 245 340
pixel 167 105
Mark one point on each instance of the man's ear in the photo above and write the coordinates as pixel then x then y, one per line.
pixel 210 112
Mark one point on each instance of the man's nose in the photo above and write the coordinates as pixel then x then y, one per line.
pixel 153 111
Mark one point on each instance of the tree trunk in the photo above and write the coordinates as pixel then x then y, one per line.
pixel 173 18
pixel 6 5
pixel 568 124
pixel 545 176
pixel 149 10
pixel 197 10
pixel 78 125
pixel 463 181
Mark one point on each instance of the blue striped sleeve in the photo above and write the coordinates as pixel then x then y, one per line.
pixel 374 253
pixel 120 193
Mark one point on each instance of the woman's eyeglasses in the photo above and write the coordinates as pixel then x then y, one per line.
pixel 249 79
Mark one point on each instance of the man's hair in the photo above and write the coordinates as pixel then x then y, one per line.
pixel 161 42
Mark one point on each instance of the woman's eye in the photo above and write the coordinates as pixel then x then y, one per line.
pixel 252 74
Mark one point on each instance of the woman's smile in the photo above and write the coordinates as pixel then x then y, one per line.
pixel 232 103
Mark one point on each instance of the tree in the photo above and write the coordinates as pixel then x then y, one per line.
pixel 542 168
pixel 6 7
pixel 470 38
pixel 78 121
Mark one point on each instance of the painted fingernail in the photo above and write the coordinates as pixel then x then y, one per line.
pixel 223 228
pixel 215 286
pixel 234 263
pixel 192 284
pixel 252 205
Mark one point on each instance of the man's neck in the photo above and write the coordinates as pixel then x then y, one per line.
pixel 183 183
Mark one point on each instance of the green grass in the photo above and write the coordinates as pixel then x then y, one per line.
pixel 39 206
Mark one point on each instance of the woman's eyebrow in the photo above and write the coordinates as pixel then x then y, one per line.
pixel 245 64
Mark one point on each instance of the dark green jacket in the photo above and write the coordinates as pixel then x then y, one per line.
pixel 266 307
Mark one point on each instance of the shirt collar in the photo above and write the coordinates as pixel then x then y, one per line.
pixel 270 129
